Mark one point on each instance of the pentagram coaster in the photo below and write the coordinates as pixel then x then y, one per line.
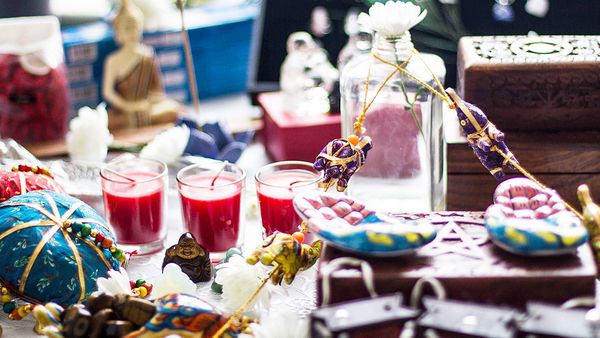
pixel 452 239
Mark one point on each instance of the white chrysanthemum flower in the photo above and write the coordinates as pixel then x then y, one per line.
pixel 281 324
pixel 88 137
pixel 239 280
pixel 173 280
pixel 168 146
pixel 392 19
pixel 116 283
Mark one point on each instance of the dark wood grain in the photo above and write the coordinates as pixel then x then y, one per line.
pixel 565 152
pixel 528 91
pixel 474 191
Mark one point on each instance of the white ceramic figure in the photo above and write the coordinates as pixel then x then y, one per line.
pixel 88 137
pixel 307 76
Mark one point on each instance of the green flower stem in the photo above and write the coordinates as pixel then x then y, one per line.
pixel 411 105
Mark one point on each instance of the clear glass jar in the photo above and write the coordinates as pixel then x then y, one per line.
pixel 406 169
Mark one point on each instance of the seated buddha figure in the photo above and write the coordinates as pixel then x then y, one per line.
pixel 132 83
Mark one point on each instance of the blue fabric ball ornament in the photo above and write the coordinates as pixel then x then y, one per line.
pixel 44 257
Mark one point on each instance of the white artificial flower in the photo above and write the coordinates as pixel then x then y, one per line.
pixel 281 324
pixel 88 137
pixel 116 283
pixel 167 146
pixel 172 280
pixel 392 19
pixel 239 280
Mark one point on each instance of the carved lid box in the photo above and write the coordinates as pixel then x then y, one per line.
pixel 542 83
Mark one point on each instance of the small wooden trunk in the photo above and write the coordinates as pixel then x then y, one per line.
pixel 561 160
pixel 533 83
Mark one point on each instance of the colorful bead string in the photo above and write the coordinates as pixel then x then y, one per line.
pixel 141 288
pixel 33 169
pixel 9 305
pixel 101 241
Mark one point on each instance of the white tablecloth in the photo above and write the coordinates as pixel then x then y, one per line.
pixel 300 296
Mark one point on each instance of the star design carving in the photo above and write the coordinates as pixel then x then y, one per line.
pixel 451 238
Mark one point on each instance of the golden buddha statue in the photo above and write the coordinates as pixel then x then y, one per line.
pixel 132 82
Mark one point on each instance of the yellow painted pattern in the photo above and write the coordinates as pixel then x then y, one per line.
pixel 548 237
pixel 382 239
pixel 515 236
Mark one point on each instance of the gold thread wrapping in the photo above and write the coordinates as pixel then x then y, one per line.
pixel 52 205
pixel 96 249
pixel 33 206
pixel 25 226
pixel 79 263
pixel 25 275
pixel 465 110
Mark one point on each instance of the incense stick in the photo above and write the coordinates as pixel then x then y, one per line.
pixel 189 61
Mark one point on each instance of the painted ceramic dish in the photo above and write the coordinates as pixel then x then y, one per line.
pixel 349 225
pixel 54 247
pixel 528 220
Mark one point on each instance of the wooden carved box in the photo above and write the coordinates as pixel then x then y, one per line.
pixel 469 267
pixel 543 83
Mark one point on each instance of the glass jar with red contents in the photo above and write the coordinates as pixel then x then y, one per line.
pixel 34 105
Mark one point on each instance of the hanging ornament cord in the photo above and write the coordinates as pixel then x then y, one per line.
pixel 237 314
pixel 444 97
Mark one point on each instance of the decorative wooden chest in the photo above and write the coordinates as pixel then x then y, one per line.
pixel 469 267
pixel 561 160
pixel 533 83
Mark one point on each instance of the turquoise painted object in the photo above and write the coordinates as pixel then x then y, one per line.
pixel 349 225
pixel 528 220
pixel 48 254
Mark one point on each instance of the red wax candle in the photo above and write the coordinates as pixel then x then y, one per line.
pixel 135 210
pixel 212 211
pixel 275 194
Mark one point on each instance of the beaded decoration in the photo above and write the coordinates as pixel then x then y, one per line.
pixel 54 247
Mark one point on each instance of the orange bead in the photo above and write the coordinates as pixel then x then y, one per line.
pixel 353 139
pixel 107 243
pixel 298 236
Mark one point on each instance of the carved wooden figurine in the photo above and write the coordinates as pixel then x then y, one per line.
pixel 192 257
pixel 132 82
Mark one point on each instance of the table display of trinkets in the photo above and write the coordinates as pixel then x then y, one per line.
pixel 174 250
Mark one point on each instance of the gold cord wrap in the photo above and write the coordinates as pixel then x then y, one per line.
pixel 59 223
pixel 358 129
pixel 482 133
pixel 247 303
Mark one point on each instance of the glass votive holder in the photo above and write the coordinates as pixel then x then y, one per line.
pixel 135 192
pixel 276 185
pixel 212 204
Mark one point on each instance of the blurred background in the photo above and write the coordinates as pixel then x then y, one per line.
pixel 238 46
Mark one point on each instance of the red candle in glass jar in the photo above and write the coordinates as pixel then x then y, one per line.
pixel 135 203
pixel 276 186
pixel 211 202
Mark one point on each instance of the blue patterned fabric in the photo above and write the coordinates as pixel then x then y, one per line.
pixel 54 273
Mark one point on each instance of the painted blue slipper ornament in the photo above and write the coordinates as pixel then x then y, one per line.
pixel 348 225
pixel 528 220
